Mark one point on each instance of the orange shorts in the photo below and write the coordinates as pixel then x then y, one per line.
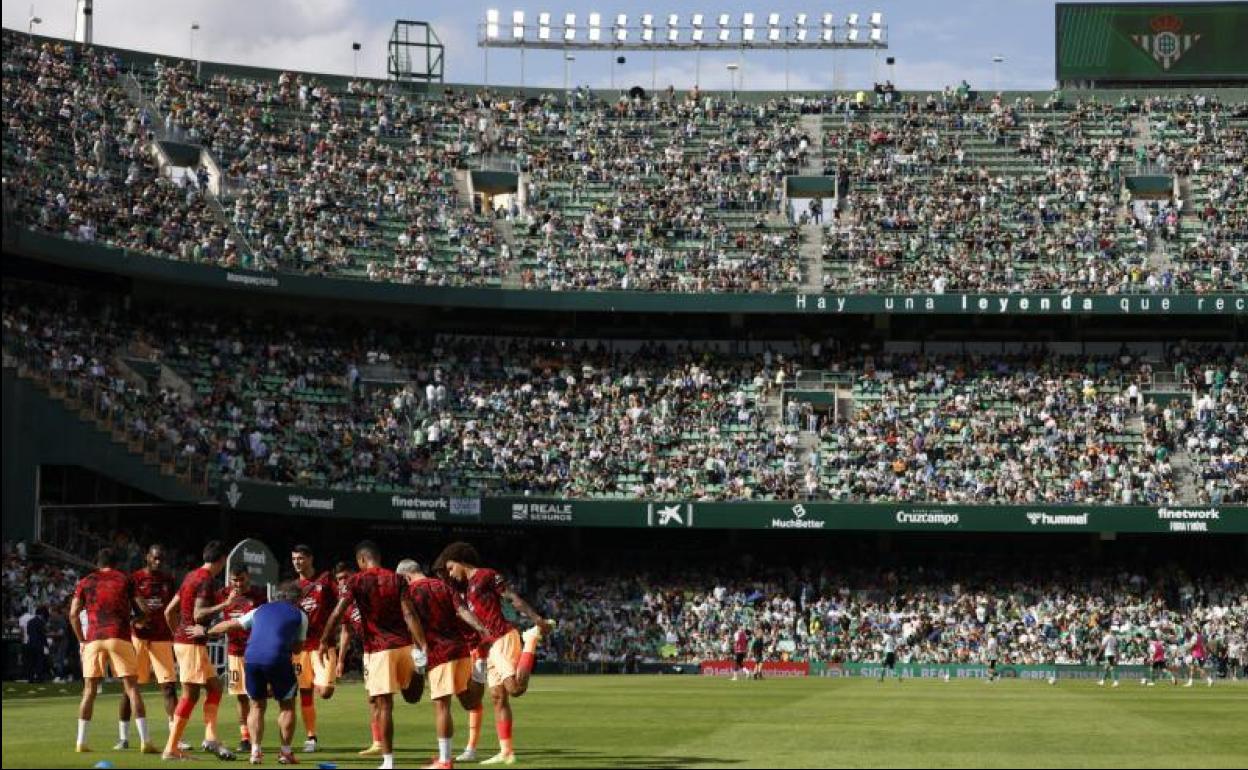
pixel 389 671
pixel 194 666
pixel 237 675
pixel 450 678
pixel 314 669
pixel 503 658
pixel 100 656
pixel 155 658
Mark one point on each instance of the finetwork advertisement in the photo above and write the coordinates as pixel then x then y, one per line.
pixel 971 671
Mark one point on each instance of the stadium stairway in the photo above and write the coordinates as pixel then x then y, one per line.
pixel 71 432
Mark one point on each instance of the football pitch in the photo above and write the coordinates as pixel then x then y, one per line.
pixel 689 721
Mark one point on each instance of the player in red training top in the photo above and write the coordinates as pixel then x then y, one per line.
pixel 508 666
pixel 353 625
pixel 108 597
pixel 241 597
pixel 316 670
pixel 152 639
pixel 450 630
pixel 196 603
pixel 390 629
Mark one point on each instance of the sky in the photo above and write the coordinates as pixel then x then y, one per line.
pixel 935 42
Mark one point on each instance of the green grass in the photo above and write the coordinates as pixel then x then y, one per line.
pixel 678 721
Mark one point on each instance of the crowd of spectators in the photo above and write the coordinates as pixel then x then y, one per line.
pixel 840 614
pixel 646 191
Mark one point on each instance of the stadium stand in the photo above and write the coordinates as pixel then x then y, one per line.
pixel 661 192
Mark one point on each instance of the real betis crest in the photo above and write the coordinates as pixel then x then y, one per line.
pixel 1165 44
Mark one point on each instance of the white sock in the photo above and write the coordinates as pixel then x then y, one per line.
pixel 387 761
pixel 123 729
pixel 255 750
pixel 444 749
pixel 141 724
pixel 285 749
pixel 83 724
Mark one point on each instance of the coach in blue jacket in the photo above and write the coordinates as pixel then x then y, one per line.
pixel 277 630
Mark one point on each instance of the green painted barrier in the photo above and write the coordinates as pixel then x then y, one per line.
pixel 777 515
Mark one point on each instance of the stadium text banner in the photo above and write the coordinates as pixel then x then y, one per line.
pixel 682 514
pixel 111 260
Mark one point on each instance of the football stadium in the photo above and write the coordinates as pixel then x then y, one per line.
pixel 598 385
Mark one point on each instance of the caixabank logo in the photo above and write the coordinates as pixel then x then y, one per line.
pixel 1165 43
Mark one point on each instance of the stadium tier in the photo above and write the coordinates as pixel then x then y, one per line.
pixel 664 192
pixel 386 411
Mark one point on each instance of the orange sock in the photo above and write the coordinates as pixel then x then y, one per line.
pixel 504 737
pixel 211 704
pixel 308 707
pixel 244 733
pixel 474 726
pixel 177 728
pixel 376 731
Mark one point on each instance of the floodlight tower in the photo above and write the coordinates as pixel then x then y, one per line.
pixel 84 21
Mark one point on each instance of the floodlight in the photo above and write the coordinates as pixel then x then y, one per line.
pixel 800 19
pixel 569 27
pixel 747 28
pixel 773 19
pixel 747 19
pixel 673 27
pixel 723 19
pixel 801 34
pixel 517 25
pixel 673 20
pixel 697 20
pixel 621 27
pixel 852 35
pixel 491 16
pixel 647 20
pixel 697 36
pixel 773 34
pixel 569 20
pixel 647 35
pixel 852 20
pixel 877 35
pixel 543 26
pixel 491 24
pixel 621 20
pixel 543 19
pixel 827 20
pixel 724 34
pixel 826 35
pixel 595 27
pixel 877 19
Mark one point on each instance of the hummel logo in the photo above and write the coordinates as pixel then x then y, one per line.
pixel 1035 518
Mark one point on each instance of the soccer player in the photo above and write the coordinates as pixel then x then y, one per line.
pixel 992 653
pixel 1235 659
pixel 108 597
pixel 757 647
pixel 448 627
pixel 1199 651
pixel 274 633
pixel 390 630
pixel 353 624
pixel 1157 660
pixel 890 655
pixel 246 598
pixel 152 639
pixel 1109 654
pixel 192 606
pixel 740 647
pixel 508 665
pixel 316 670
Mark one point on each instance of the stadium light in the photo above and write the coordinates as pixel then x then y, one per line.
pixel 724 31
pixel 595 27
pixel 852 35
pixel 773 27
pixel 569 27
pixel 543 26
pixel 517 25
pixel 491 24
pixel 673 28
pixel 800 22
pixel 877 19
pixel 30 25
pixel 747 28
pixel 852 20
pixel 697 28
pixel 621 28
pixel 877 35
